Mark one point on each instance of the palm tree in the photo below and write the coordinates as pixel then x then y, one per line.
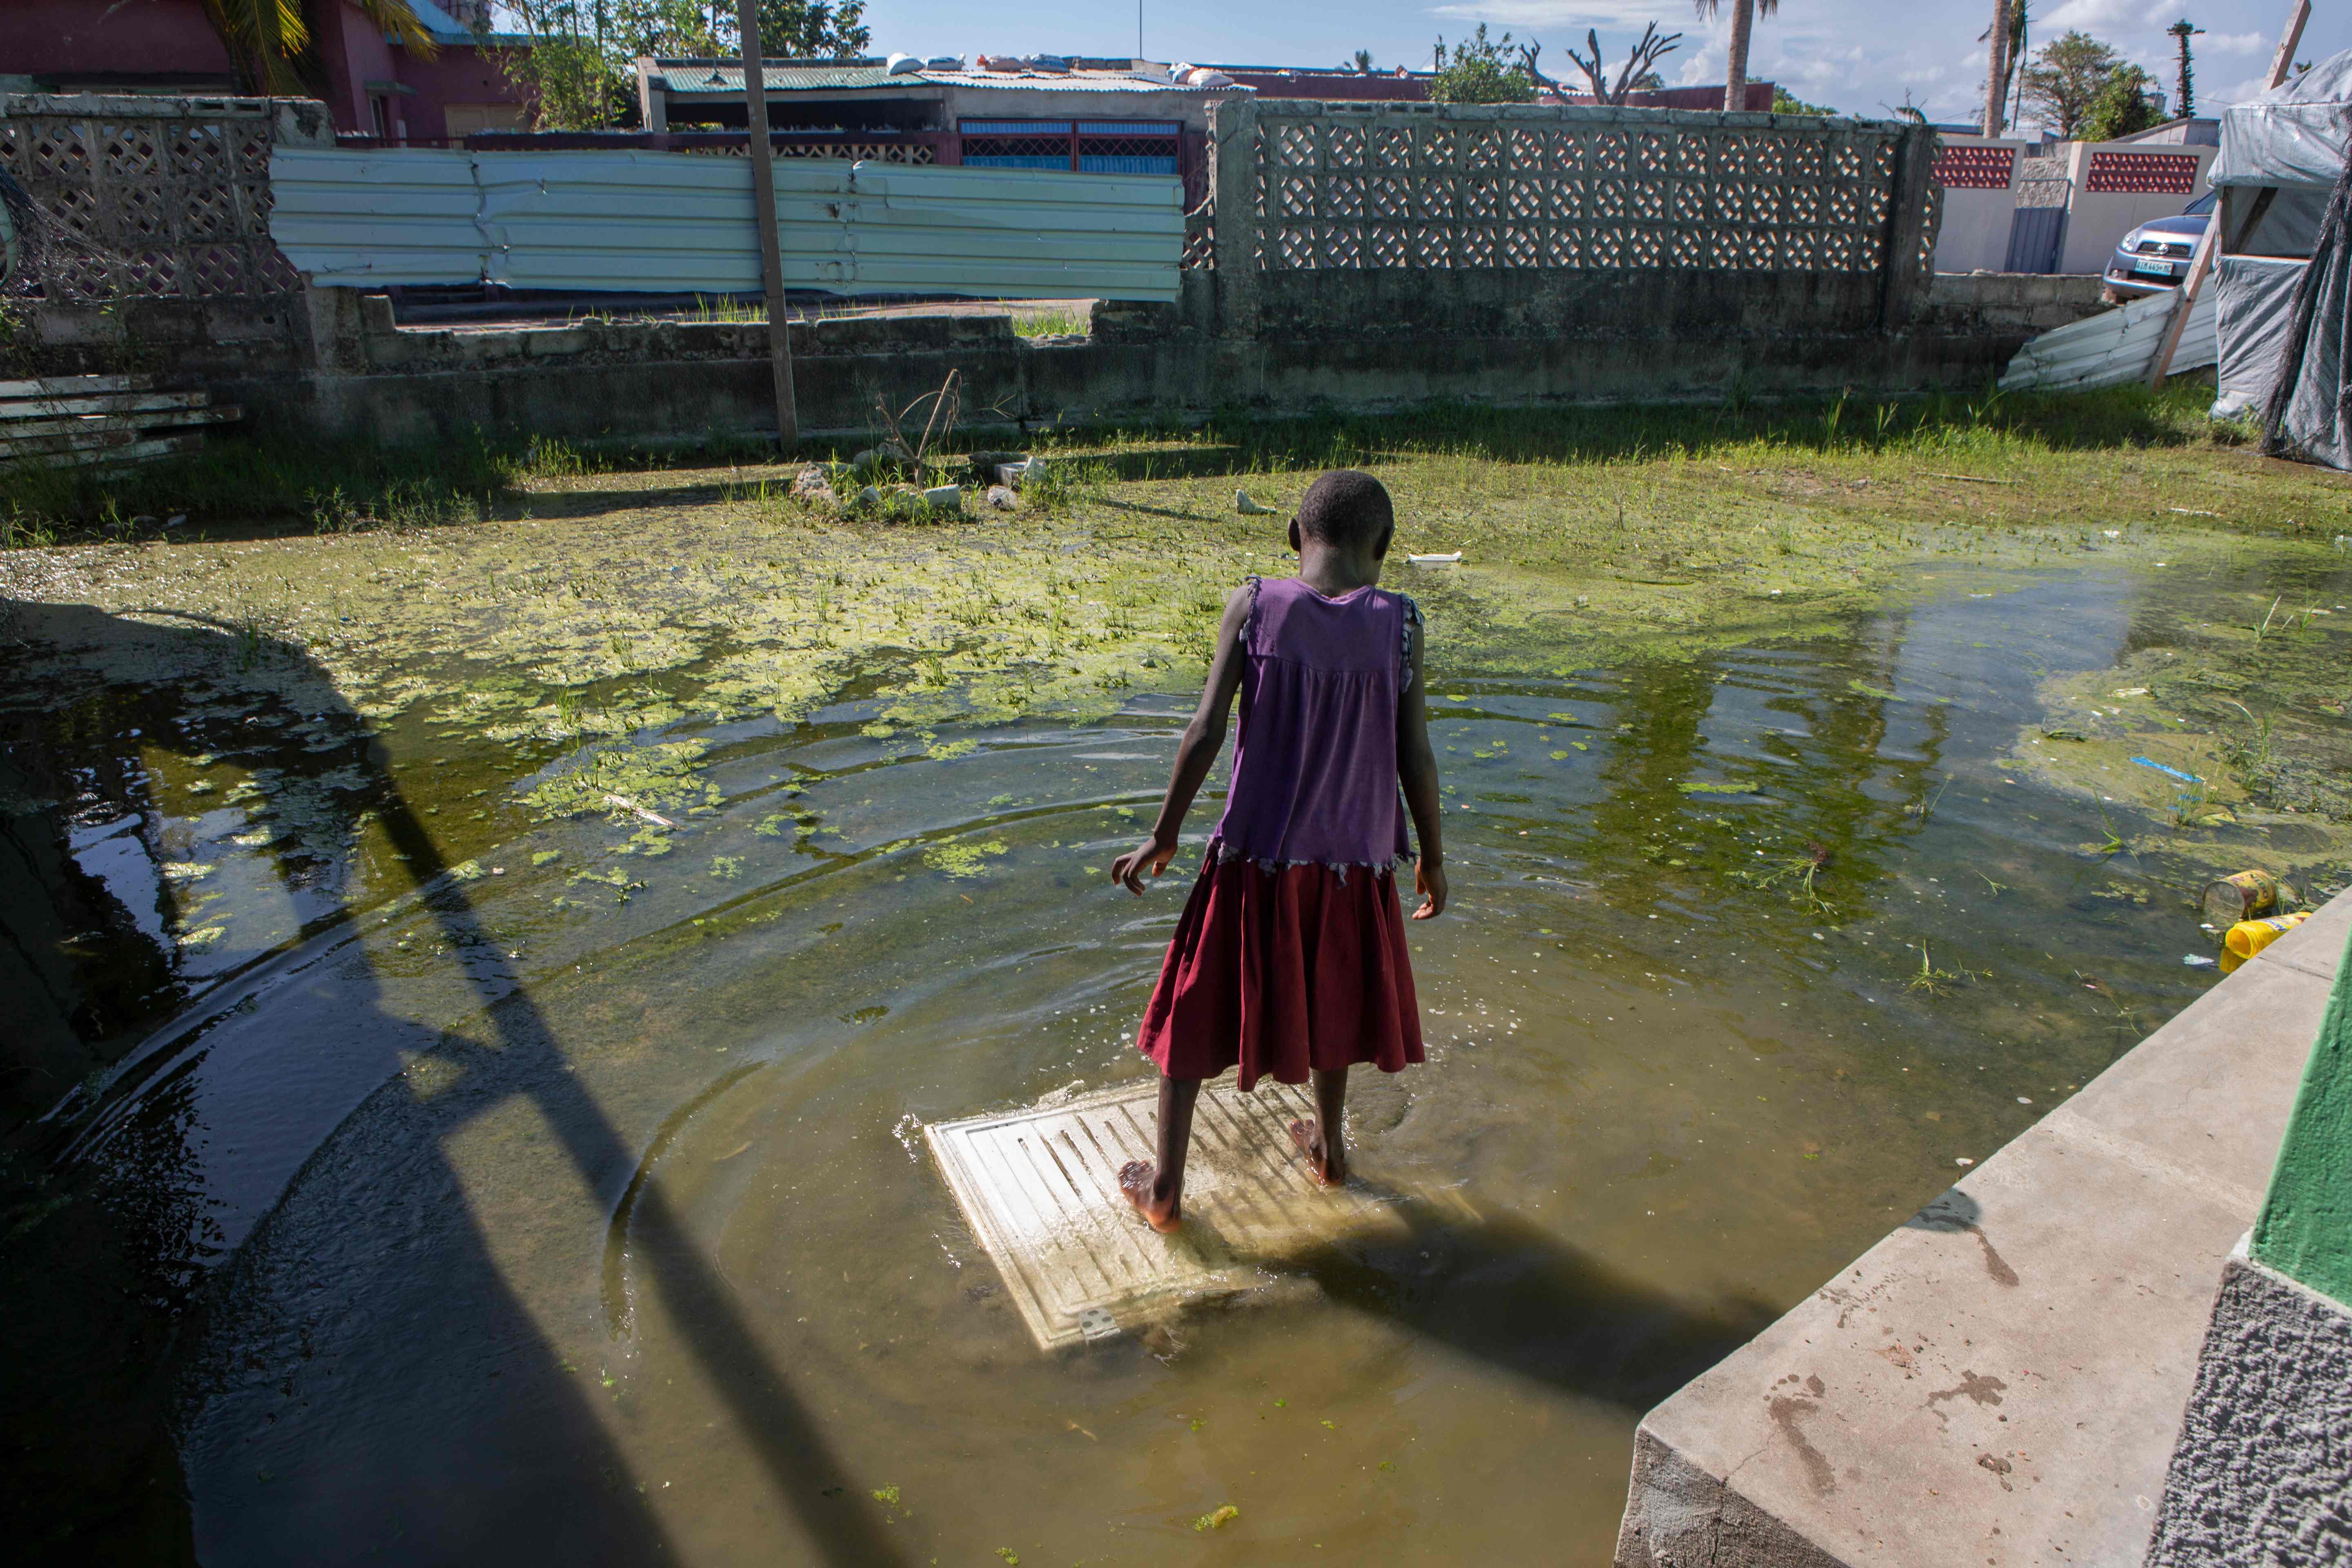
pixel 270 40
pixel 1743 22
pixel 1996 107
pixel 2004 57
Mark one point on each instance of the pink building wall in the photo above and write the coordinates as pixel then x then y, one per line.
pixel 151 45
pixel 97 38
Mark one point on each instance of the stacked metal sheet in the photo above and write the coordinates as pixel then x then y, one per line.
pixel 677 222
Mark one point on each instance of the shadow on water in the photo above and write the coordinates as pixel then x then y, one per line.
pixel 1513 1295
pixel 65 1303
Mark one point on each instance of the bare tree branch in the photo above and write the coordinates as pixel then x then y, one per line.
pixel 1652 47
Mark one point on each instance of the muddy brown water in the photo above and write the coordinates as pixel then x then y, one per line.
pixel 556 1216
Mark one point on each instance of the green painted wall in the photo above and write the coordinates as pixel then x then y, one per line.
pixel 2306 1228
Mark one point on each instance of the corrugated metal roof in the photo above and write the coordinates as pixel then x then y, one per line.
pixel 2114 347
pixel 689 78
pixel 673 222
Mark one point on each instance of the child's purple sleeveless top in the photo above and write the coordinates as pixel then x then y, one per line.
pixel 1315 763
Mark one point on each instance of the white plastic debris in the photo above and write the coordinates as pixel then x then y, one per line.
pixel 901 65
pixel 2197 960
pixel 1450 560
pixel 626 803
pixel 1248 508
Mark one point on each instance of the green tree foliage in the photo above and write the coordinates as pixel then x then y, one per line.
pixel 1475 72
pixel 1786 102
pixel 2065 79
pixel 577 76
pixel 270 40
pixel 813 29
pixel 2128 100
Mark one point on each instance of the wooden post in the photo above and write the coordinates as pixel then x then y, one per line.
pixel 2283 62
pixel 2209 243
pixel 764 213
pixel 2184 297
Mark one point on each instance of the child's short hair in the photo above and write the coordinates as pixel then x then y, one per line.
pixel 1345 507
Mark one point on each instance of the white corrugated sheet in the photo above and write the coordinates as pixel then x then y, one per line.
pixel 377 219
pixel 675 222
pixel 2113 347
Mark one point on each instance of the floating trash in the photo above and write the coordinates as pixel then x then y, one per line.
pixel 2247 938
pixel 2240 896
pixel 2167 772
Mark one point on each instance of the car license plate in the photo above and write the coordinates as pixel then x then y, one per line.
pixel 2153 268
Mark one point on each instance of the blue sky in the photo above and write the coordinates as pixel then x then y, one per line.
pixel 1859 56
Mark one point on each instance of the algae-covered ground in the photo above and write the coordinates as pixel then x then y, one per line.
pixel 581 599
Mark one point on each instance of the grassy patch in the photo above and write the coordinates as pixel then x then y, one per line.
pixel 567 596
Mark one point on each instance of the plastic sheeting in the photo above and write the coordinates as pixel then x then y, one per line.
pixel 2305 417
pixel 2295 134
pixel 2254 298
pixel 680 221
pixel 2113 347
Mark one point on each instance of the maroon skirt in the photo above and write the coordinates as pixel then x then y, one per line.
pixel 1283 971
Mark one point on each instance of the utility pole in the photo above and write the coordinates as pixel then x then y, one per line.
pixel 2184 85
pixel 1996 110
pixel 764 213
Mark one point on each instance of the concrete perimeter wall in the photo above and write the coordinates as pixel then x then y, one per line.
pixel 334 363
pixel 1352 257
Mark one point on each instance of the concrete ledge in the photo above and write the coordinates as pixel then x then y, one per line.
pixel 1999 1381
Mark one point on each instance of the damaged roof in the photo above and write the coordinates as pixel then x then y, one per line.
pixel 687 77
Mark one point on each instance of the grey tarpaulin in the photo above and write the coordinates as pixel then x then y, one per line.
pixel 2306 417
pixel 2281 156
pixel 2295 134
pixel 2255 299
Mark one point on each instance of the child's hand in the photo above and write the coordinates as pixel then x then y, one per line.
pixel 1429 882
pixel 1127 871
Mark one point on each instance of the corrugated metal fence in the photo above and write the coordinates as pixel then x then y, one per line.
pixel 2114 347
pixel 675 222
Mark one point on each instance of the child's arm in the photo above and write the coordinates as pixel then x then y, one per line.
pixel 1203 737
pixel 1417 771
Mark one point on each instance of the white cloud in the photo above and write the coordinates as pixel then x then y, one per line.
pixel 2235 44
pixel 2090 15
pixel 1578 15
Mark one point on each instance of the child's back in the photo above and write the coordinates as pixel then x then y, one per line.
pixel 1315 763
pixel 1290 958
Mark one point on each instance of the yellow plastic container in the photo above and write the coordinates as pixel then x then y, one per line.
pixel 2247 938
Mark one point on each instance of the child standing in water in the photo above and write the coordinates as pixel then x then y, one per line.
pixel 1290 956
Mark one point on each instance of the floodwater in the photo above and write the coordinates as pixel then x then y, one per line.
pixel 574 1204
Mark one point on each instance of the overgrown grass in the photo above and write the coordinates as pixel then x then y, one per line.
pixel 2030 448
pixel 1059 320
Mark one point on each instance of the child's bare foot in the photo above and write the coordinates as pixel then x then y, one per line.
pixel 1329 1169
pixel 1135 1180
